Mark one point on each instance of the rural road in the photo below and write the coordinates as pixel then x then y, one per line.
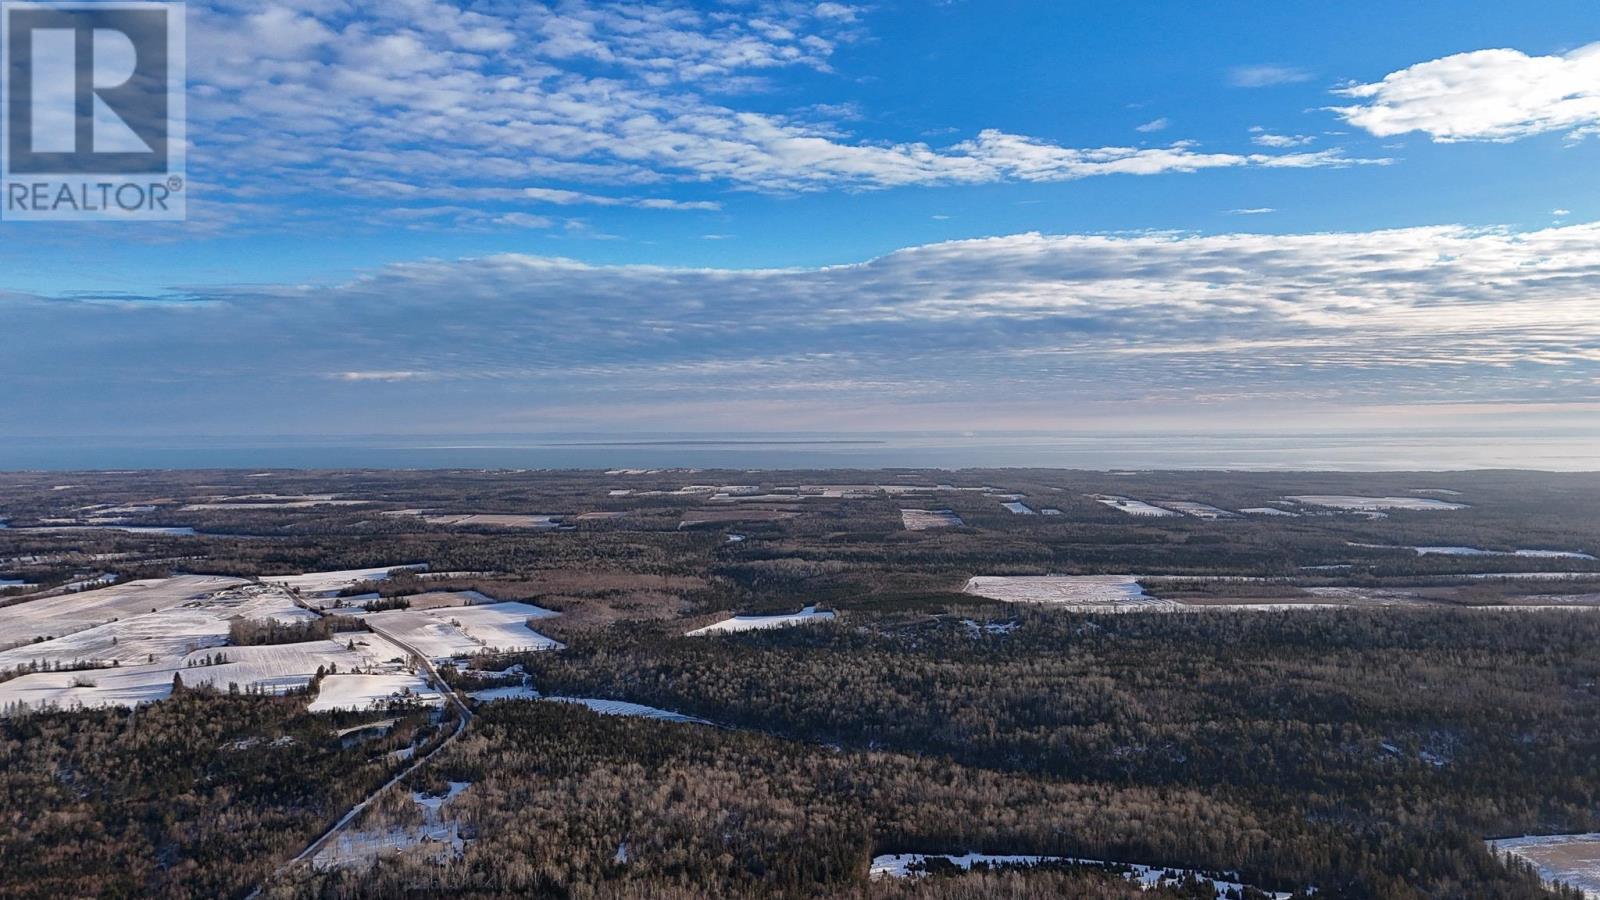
pixel 464 717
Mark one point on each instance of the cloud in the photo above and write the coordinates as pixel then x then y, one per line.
pixel 1484 95
pixel 1420 315
pixel 1252 211
pixel 324 108
pixel 561 197
pixel 1561 213
pixel 1266 75
pixel 1263 138
pixel 1160 124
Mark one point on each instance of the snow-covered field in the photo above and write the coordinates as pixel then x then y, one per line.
pixel 1136 507
pixel 276 668
pixel 911 865
pixel 1018 508
pixel 365 691
pixel 134 659
pixel 68 613
pixel 1476 551
pixel 495 520
pixel 1570 859
pixel 455 631
pixel 924 519
pixel 1105 593
pixel 1373 504
pixel 319 583
pixel 756 623
pixel 1198 510
pixel 1269 511
pixel 623 708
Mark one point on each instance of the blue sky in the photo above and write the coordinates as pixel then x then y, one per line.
pixel 424 216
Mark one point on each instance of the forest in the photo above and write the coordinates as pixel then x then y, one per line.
pixel 1362 752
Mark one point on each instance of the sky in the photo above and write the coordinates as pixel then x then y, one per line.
pixel 495 216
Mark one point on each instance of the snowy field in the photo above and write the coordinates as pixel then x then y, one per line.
pixel 160 636
pixel 911 865
pixel 1569 859
pixel 366 691
pixel 1198 510
pixel 623 708
pixel 493 520
pixel 805 616
pixel 1476 551
pixel 1374 504
pixel 68 613
pixel 329 583
pixel 276 668
pixel 1269 511
pixel 1136 507
pixel 1018 508
pixel 455 631
pixel 1103 593
pixel 925 519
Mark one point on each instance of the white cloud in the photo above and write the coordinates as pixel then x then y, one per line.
pixel 562 197
pixel 419 103
pixel 1484 95
pixel 1282 141
pixel 1561 213
pixel 1266 75
pixel 1160 124
pixel 1252 211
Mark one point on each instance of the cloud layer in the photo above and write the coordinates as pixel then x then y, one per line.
pixel 932 335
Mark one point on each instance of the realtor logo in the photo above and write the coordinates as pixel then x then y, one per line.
pixel 92 111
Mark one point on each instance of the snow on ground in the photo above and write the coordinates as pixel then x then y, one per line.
pixel 182 531
pixel 1198 510
pixel 1475 551
pixel 1018 508
pixel 362 848
pixel 163 636
pixel 503 626
pixel 366 691
pixel 924 519
pixel 1570 859
pixel 1269 511
pixel 493 520
pixel 274 502
pixel 1529 576
pixel 455 631
pixel 623 708
pixel 276 668
pixel 1135 507
pixel 1373 504
pixel 68 613
pixel 756 623
pixel 330 583
pixel 506 692
pixel 1109 593
pixel 911 865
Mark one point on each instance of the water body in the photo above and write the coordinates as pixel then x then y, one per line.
pixel 1577 450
